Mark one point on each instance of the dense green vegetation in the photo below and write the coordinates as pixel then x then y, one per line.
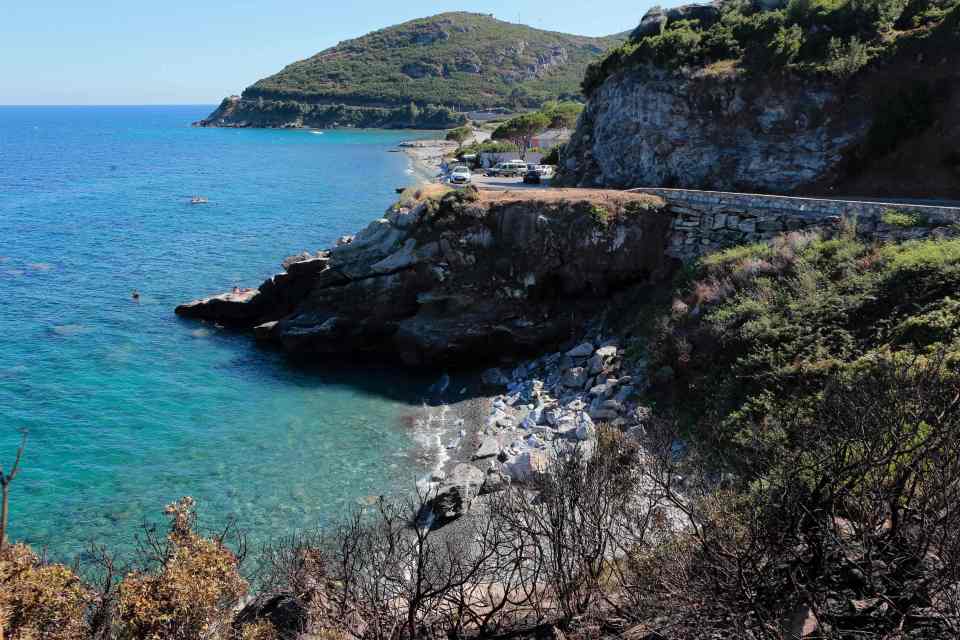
pixel 562 114
pixel 815 385
pixel 489 146
pixel 833 38
pixel 520 130
pixel 460 60
pixel 763 329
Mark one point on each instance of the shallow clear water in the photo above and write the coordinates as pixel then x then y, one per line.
pixel 129 407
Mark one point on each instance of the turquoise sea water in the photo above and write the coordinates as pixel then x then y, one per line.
pixel 129 407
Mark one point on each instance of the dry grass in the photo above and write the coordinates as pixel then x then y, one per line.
pixel 412 196
pixel 720 69
pixel 593 196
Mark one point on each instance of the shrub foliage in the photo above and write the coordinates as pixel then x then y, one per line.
pixel 833 38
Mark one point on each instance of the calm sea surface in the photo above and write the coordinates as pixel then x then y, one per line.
pixel 129 407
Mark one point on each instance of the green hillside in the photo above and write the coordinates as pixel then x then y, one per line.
pixel 832 38
pixel 454 59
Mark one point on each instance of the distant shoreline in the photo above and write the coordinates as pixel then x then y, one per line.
pixel 426 157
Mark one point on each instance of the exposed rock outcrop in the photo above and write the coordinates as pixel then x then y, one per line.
pixel 650 127
pixel 656 18
pixel 458 277
pixel 667 115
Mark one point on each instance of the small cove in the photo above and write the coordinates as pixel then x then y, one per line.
pixel 129 407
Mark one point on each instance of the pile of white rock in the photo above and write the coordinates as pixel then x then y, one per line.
pixel 553 404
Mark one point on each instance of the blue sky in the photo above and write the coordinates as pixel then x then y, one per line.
pixel 180 52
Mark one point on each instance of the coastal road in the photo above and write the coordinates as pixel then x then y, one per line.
pixel 491 183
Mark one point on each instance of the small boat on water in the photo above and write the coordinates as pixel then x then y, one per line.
pixel 199 200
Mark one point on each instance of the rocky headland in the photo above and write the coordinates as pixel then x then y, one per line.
pixel 463 278
pixel 457 278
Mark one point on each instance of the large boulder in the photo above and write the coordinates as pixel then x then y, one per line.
pixel 288 614
pixel 575 377
pixel 454 496
pixel 528 466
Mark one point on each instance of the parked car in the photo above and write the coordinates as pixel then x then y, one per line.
pixel 460 175
pixel 537 173
pixel 546 170
pixel 508 169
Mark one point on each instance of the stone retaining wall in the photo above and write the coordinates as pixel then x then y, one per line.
pixel 705 221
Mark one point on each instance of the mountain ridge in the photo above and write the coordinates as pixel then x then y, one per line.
pixel 419 74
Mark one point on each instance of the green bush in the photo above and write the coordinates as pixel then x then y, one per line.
pixel 770 323
pixel 459 135
pixel 847 58
pixel 902 218
pixel 489 146
pixel 676 46
pixel 786 44
pixel 600 215
pixel 833 37
pixel 553 155
pixel 562 115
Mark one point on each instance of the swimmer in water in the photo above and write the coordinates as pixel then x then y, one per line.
pixel 135 295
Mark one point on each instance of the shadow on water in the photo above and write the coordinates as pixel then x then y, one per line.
pixel 364 373
pixel 432 387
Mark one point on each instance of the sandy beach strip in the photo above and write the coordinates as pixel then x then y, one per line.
pixel 426 157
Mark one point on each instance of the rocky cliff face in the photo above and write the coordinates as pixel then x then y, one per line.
pixel 697 102
pixel 650 127
pixel 459 277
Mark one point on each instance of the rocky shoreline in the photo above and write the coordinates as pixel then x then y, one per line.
pixel 547 407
